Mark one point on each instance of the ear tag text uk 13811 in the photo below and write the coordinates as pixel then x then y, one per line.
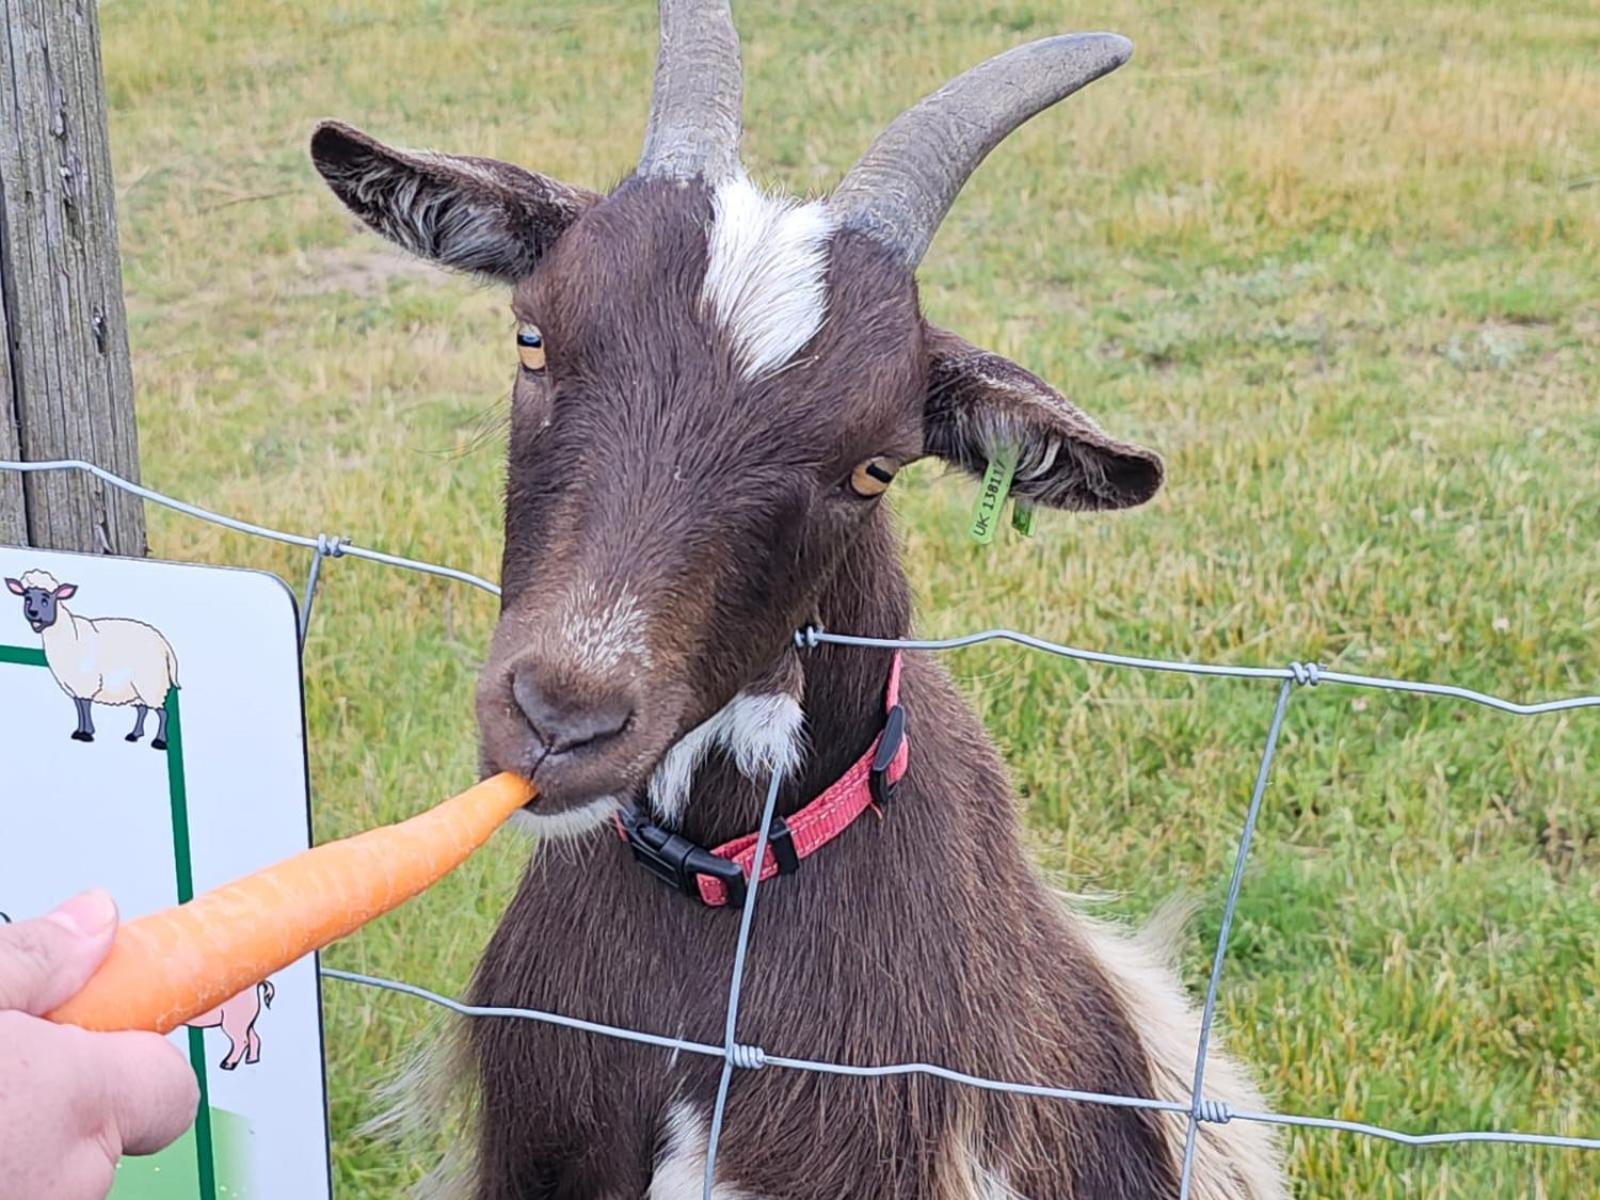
pixel 992 495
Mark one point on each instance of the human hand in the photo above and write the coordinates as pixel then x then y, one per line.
pixel 73 1102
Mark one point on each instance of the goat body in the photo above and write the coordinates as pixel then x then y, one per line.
pixel 714 390
pixel 925 936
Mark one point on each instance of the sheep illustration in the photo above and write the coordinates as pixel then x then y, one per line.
pixel 108 660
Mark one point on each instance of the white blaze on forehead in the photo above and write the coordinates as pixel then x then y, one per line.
pixel 765 280
pixel 761 731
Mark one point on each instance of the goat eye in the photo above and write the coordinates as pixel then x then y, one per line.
pixel 873 477
pixel 530 348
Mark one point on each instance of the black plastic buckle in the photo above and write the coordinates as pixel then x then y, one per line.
pixel 889 742
pixel 780 840
pixel 675 860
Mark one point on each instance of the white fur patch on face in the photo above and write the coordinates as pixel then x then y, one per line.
pixel 765 279
pixel 568 824
pixel 600 632
pixel 681 1165
pixel 762 731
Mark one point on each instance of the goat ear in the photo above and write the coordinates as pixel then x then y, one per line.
pixel 66 591
pixel 980 402
pixel 14 586
pixel 473 214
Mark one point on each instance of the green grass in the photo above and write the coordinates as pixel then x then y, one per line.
pixel 1338 263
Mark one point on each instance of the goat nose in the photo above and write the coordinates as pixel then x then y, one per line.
pixel 563 724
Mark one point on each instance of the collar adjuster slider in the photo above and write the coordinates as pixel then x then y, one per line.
pixel 889 743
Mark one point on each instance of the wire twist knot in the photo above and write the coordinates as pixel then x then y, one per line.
pixel 1216 1112
pixel 809 637
pixel 1306 674
pixel 331 545
pixel 749 1058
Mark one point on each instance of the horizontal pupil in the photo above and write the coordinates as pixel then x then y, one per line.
pixel 880 473
pixel 529 339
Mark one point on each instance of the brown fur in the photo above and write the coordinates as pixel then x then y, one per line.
pixel 697 517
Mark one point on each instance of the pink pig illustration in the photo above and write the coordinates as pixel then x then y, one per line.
pixel 236 1017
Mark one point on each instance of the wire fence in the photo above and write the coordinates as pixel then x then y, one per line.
pixel 740 1056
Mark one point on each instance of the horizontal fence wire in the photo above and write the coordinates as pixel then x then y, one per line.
pixel 246 527
pixel 1306 673
pixel 755 1057
pixel 741 1056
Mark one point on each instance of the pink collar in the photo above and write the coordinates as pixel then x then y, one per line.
pixel 718 875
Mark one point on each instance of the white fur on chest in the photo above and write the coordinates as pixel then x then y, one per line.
pixel 681 1166
pixel 761 731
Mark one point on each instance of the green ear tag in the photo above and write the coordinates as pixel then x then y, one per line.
pixel 992 495
pixel 1022 516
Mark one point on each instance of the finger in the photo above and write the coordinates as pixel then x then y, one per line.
pixel 148 1091
pixel 46 961
pixel 86 1175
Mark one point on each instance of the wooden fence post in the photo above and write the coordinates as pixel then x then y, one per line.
pixel 66 385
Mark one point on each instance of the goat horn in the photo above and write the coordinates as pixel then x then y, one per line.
pixel 906 181
pixel 695 108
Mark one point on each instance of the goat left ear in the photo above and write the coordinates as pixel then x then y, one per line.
pixel 473 214
pixel 979 402
pixel 66 591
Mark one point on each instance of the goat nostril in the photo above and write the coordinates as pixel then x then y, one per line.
pixel 563 724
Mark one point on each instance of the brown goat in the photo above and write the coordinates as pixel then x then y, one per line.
pixel 715 386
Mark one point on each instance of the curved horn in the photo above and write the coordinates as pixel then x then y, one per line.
pixel 907 180
pixel 695 108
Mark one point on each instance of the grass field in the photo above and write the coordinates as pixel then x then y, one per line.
pixel 1338 262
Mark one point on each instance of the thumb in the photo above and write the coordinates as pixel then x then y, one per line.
pixel 46 961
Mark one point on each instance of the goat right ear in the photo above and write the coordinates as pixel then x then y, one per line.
pixel 66 591
pixel 473 214
pixel 14 586
pixel 979 402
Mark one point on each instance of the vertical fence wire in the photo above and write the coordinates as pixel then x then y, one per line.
pixel 1208 1013
pixel 735 1055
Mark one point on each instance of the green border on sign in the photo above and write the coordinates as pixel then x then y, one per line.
pixel 30 657
pixel 180 854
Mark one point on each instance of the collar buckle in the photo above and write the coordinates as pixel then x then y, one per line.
pixel 675 860
pixel 889 743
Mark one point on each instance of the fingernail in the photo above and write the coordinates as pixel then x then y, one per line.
pixel 88 915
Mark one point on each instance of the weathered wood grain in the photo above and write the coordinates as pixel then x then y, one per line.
pixel 13 521
pixel 66 388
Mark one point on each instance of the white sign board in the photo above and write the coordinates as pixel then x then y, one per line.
pixel 152 742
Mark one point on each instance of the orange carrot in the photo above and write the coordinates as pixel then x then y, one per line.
pixel 169 967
